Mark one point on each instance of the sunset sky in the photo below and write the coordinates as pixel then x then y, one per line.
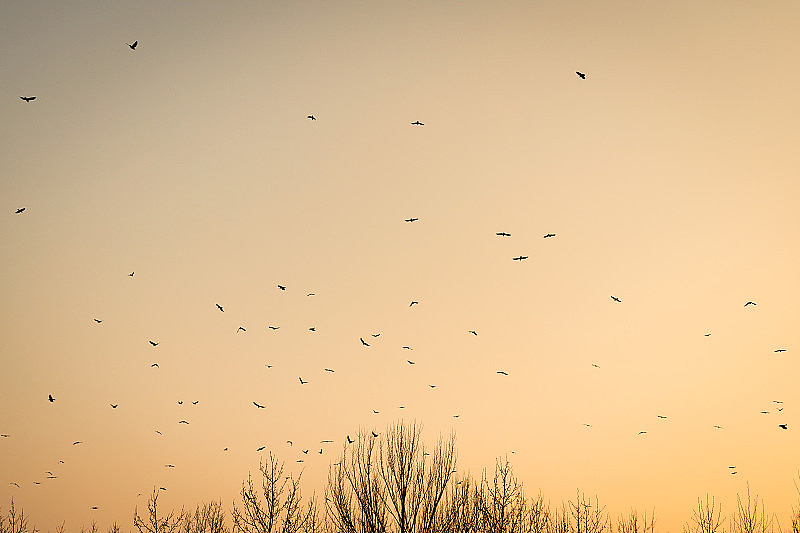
pixel 669 176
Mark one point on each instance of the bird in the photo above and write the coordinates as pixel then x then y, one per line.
pixel 413 302
pixel 731 467
pixel 14 483
pixel 718 427
pixel 547 236
pixel 258 405
pixel 133 45
pixel 162 488
pixel 220 307
pixel 783 426
pixel 261 448
pixel 320 451
pixel 473 332
pixel 5 435
pixel 764 412
pixel 413 219
pixel 595 365
pixel 290 443
pixel 326 441
pixel 312 328
pixel 376 334
pixel 183 422
pixel 131 274
pixel 410 362
pixel 170 466
pixel 707 335
pixel 616 299
pixel 195 402
pixel 503 373
pixel 50 398
pixel 157 431
pixel 114 405
pixel 328 370
pixel 180 402
pixel 27 98
pixel 432 386
pixel 503 234
pixel 587 425
pixel 274 327
pixel 456 416
pixel 77 442
pixel 282 287
pixel 407 348
pixel 302 382
pixel 311 117
pixel 155 365
pixel 417 123
pixel 376 412
pixel 311 294
pixel 365 343
pixel 305 452
pixel 153 343
pixel 581 75
pixel 240 329
pixel 374 434
pixel 349 440
pixel 20 210
pixel 97 320
pixel 780 350
pixel 749 303
pixel 662 416
pixel 777 401
pixel 641 433
pixel 519 258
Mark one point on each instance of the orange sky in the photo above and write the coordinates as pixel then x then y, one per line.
pixel 669 176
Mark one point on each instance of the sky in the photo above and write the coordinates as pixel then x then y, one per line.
pixel 669 176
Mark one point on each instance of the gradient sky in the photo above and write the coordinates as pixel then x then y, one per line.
pixel 669 176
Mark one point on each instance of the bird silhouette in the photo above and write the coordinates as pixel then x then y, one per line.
pixel 170 466
pixel 312 328
pixel 133 45
pixel 14 483
pixel 374 434
pixel 617 299
pixel 547 236
pixel 707 335
pixel 220 307
pixel 718 427
pixel 410 362
pixel 520 258
pixel 195 402
pixel 349 440
pixel 662 416
pixel 50 398
pixel 97 320
pixel 77 442
pixel 365 343
pixel 311 117
pixel 473 332
pixel 183 422
pixel 503 234
pixel 502 372
pixel 180 402
pixel 595 365
pixel 20 210
pixel 131 274
pixel 261 448
pixel 153 343
pixel 641 433
pixel 274 327
pixel 581 75
pixel 114 405
pixel 28 98
pixel 258 405
pixel 302 382
pixel 413 302
pixel 328 370
pixel 282 287
pixel 376 335
pixel 376 412
pixel 407 347
pixel 414 219
pixel 5 435
pixel 780 350
pixel 783 426
pixel 290 443
pixel 749 303
pixel 432 386
pixel 240 329
pixel 417 123
pixel 326 441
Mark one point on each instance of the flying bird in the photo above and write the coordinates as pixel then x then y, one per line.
pixel 14 483
pixel 170 466
pixel 20 210
pixel 417 123
pixel 114 405
pixel 707 335
pixel 153 343
pixel 432 386
pixel 282 287
pixel 783 426
pixel 365 343
pixel 240 329
pixel 616 299
pixel 157 431
pixel 131 274
pixel 349 440
pixel 183 422
pixel 180 402
pixel 718 427
pixel 326 441
pixel 195 402
pixel 5 435
pixel 261 448
pixel 749 303
pixel 374 434
pixel 595 365
pixel 547 236
pixel 503 234
pixel 413 302
pixel 407 347
pixel 258 405
pixel 302 382
pixel 413 219
pixel 97 320
pixel 50 398
pixel 376 412
pixel 581 75
pixel 311 117
pixel 641 433
pixel 312 328
pixel 290 443
pixel 328 370
pixel 28 98
pixel 780 350
pixel 274 327
pixel 155 365
pixel 662 416
pixel 133 45
pixel 220 307
pixel 305 452
pixel 410 362
pixel 311 294
pixel 77 442
pixel 376 334
pixel 473 332
pixel 519 258
pixel 503 373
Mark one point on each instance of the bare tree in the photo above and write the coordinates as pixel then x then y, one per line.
pixel 749 518
pixel 501 502
pixel 153 523
pixel 633 524
pixel 585 517
pixel 278 506
pixel 706 518
pixel 390 483
pixel 207 518
pixel 15 522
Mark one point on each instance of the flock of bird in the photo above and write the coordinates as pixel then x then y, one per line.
pixel 363 342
